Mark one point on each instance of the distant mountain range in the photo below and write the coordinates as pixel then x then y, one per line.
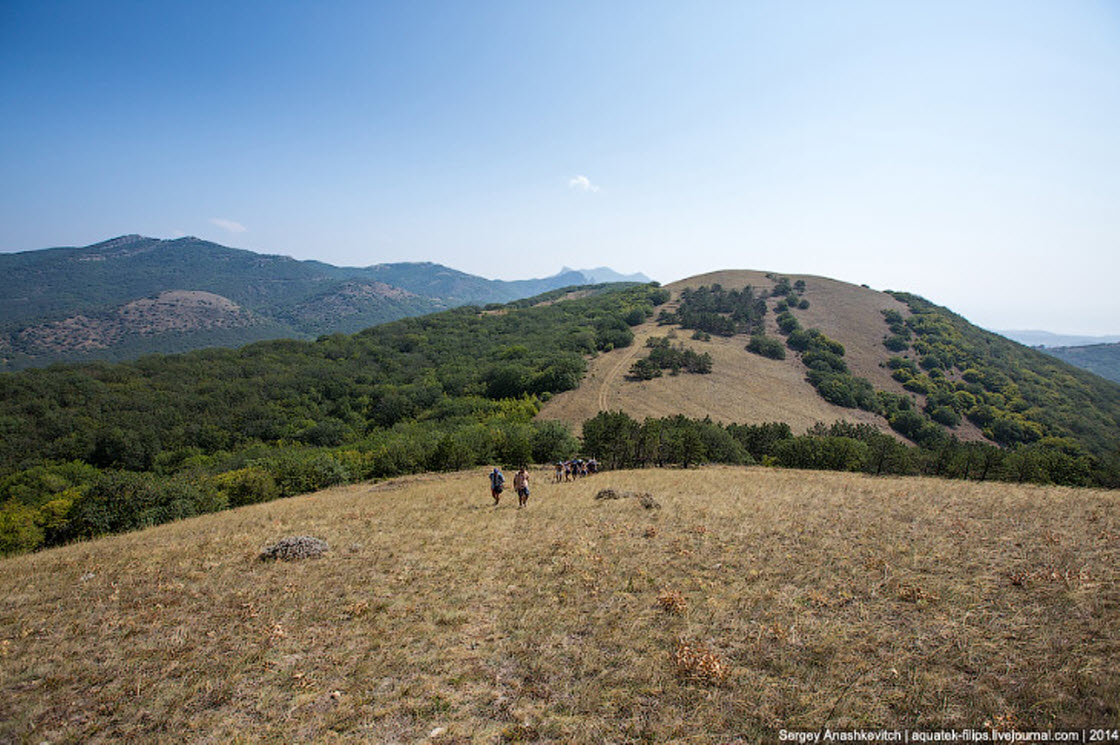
pixel 1102 359
pixel 134 295
pixel 1034 338
pixel 603 275
pixel 1097 354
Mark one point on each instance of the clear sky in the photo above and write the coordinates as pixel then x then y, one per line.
pixel 966 151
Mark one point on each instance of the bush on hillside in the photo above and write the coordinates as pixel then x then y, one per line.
pixel 767 347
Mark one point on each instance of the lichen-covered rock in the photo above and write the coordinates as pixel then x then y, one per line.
pixel 294 547
pixel 609 494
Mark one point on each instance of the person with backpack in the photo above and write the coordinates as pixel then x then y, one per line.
pixel 497 483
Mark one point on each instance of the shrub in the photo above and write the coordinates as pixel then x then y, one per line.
pixel 612 333
pixel 246 486
pixel 118 501
pixel 920 384
pixel 302 472
pixel 329 432
pixel 945 415
pixel 720 446
pixel 19 529
pixel 767 347
pixel 817 359
pixel 787 323
pixel 1012 429
pixel 915 427
pixel 637 315
pixel 562 374
pixel 699 664
pixel 645 369
pixel 672 601
pixel 896 343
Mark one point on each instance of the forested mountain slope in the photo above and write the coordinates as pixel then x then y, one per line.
pixel 72 304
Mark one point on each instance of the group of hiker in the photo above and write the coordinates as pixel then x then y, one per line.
pixel 566 470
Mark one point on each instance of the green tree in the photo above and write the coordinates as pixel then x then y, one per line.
pixel 611 438
pixel 19 528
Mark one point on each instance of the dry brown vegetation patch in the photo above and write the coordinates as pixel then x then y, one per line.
pixel 754 600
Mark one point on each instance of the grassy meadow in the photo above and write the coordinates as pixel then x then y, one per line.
pixel 750 601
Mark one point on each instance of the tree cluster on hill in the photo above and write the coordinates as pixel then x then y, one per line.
pixel 620 441
pixel 714 310
pixel 664 355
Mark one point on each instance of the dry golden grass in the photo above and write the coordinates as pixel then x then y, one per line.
pixel 743 387
pixel 755 599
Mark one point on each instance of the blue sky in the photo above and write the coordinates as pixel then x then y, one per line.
pixel 966 151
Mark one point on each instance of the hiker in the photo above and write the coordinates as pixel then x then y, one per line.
pixel 521 486
pixel 497 482
pixel 559 471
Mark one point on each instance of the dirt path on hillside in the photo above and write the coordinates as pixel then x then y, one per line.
pixel 621 368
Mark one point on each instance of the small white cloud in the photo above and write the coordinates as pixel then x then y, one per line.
pixel 230 226
pixel 582 183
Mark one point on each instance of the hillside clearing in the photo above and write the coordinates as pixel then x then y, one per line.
pixel 823 599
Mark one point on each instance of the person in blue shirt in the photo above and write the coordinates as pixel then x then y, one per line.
pixel 497 482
